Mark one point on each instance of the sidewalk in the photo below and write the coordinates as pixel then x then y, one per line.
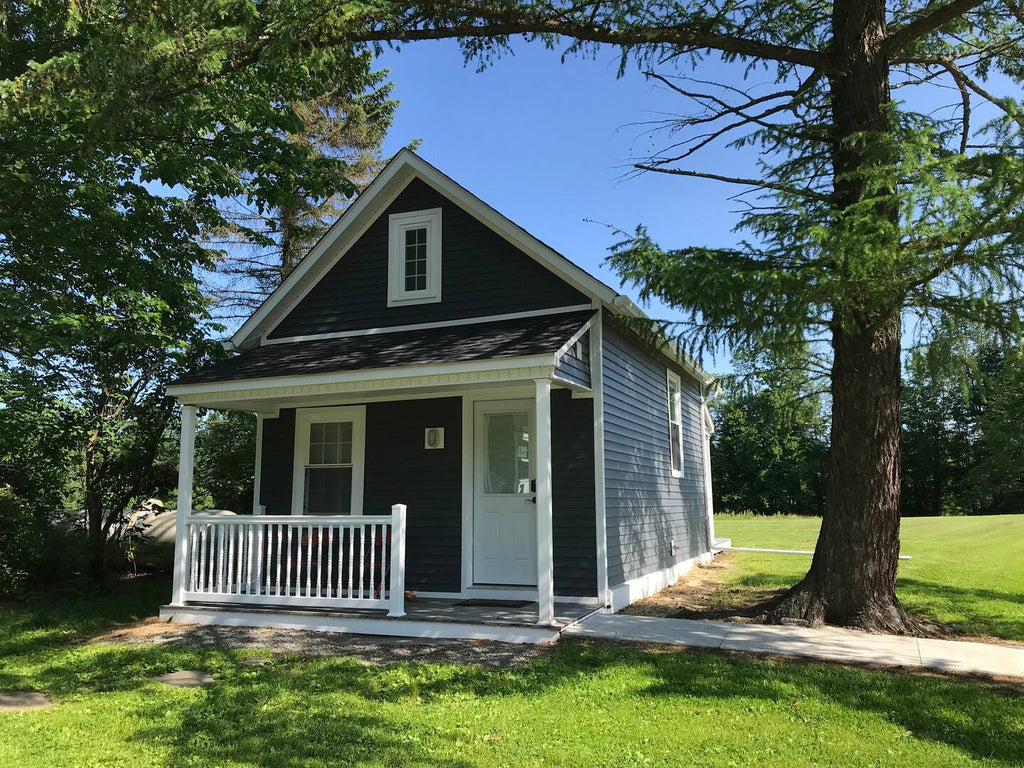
pixel 830 643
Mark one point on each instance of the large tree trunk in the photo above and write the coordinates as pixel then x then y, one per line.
pixel 852 580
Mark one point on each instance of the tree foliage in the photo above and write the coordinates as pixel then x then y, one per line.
pixel 769 443
pixel 963 439
pixel 122 127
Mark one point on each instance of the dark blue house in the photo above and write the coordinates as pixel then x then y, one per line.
pixel 460 433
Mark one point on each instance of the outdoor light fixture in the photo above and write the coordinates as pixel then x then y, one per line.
pixel 433 437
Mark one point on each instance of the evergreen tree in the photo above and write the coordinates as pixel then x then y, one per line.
pixel 864 208
pixel 768 448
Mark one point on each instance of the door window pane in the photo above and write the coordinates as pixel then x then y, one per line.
pixel 507 457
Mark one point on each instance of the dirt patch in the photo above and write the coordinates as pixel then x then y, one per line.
pixel 703 593
pixel 369 649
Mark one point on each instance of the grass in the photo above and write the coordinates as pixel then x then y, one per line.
pixel 965 572
pixel 583 704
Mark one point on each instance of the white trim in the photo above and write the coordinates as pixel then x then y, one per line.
pixel 365 375
pixel 427 326
pixel 545 538
pixel 640 587
pixel 186 459
pixel 676 401
pixel 394 627
pixel 398 223
pixel 600 507
pixel 257 508
pixel 709 499
pixel 304 417
pixel 468 479
pixel 571 341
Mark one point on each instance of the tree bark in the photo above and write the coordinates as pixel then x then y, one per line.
pixel 852 580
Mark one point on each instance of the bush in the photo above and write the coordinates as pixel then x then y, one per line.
pixel 23 539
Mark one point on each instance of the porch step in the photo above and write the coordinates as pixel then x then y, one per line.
pixel 441 627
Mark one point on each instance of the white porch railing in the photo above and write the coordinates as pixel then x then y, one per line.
pixel 298 560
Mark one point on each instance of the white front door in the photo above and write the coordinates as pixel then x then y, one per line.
pixel 504 508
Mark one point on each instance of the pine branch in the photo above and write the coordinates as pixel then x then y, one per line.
pixel 759 183
pixel 523 20
pixel 924 25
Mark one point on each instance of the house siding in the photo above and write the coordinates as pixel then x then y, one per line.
pixel 572 490
pixel 481 274
pixel 399 470
pixel 647 509
pixel 276 465
pixel 573 368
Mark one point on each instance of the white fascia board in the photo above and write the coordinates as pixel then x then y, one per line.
pixel 369 374
pixel 405 166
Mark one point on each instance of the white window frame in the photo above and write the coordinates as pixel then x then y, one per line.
pixel 304 417
pixel 398 224
pixel 674 379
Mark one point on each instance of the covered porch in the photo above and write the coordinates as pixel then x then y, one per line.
pixel 402 553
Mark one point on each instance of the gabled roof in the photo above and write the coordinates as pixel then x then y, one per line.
pixel 524 337
pixel 403 168
pixel 374 200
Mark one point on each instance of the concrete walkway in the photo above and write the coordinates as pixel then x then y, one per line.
pixel 829 643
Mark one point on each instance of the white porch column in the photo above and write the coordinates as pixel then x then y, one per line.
pixel 545 551
pixel 188 450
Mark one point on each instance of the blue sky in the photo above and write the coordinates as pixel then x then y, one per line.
pixel 549 145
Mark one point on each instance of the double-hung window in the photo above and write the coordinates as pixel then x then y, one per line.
pixel 675 423
pixel 414 257
pixel 328 474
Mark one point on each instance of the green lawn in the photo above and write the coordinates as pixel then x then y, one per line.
pixel 581 705
pixel 967 572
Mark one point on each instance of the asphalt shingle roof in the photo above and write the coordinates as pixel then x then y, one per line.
pixel 453 344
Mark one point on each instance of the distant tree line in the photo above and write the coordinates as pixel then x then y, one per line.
pixel 963 431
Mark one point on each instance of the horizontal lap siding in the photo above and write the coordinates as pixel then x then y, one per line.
pixel 481 274
pixel 648 508
pixel 573 368
pixel 572 486
pixel 398 470
pixel 277 463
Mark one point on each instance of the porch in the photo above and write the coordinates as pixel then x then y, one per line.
pixel 473 458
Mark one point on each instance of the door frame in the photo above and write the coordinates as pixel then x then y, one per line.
pixel 469 400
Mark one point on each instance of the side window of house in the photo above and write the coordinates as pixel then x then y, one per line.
pixel 675 423
pixel 414 257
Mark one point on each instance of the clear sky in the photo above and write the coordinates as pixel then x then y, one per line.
pixel 549 144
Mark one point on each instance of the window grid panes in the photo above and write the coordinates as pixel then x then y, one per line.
pixel 328 486
pixel 416 259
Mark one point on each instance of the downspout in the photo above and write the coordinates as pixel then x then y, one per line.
pixel 707 428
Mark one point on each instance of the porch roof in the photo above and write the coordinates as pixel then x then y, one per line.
pixel 521 337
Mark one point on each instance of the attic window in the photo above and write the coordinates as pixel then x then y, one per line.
pixel 414 257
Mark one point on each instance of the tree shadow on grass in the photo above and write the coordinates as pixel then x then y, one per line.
pixel 300 711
